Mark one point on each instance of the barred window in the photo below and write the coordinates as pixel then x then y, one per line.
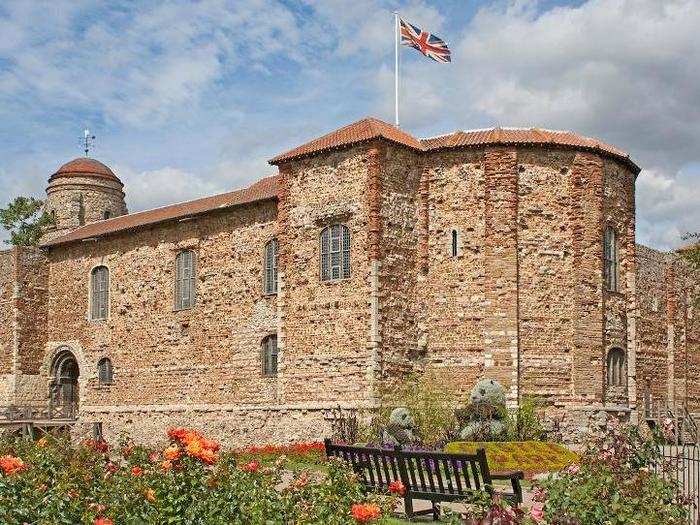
pixel 104 371
pixel 271 267
pixel 185 274
pixel 269 355
pixel 616 367
pixel 454 245
pixel 99 299
pixel 611 259
pixel 335 253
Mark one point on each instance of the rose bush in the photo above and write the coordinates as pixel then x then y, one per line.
pixel 617 482
pixel 187 481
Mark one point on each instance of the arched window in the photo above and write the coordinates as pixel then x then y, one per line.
pixel 269 355
pixel 335 253
pixel 185 274
pixel 104 371
pixel 99 299
pixel 271 267
pixel 454 245
pixel 611 259
pixel 616 367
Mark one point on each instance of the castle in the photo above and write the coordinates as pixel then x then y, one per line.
pixel 501 253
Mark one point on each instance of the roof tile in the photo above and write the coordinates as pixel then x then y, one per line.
pixel 366 129
pixel 264 189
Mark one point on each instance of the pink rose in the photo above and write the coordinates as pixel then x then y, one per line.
pixel 573 469
pixel 537 512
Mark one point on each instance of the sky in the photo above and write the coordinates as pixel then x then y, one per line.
pixel 190 98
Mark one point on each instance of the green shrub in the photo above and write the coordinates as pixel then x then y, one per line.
pixel 615 484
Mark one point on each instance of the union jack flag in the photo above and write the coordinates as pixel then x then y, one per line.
pixel 427 43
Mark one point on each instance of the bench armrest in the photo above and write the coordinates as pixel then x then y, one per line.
pixel 514 476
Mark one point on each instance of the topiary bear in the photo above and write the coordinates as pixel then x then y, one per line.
pixel 400 429
pixel 486 412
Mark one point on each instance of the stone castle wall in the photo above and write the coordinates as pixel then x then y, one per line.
pixel 668 330
pixel 7 333
pixel 522 301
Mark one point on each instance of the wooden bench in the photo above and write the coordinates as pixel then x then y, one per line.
pixel 433 476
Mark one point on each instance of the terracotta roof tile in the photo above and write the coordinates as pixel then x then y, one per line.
pixel 84 166
pixel 366 129
pixel 264 189
pixel 524 136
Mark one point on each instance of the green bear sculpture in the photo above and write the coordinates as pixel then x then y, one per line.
pixel 486 412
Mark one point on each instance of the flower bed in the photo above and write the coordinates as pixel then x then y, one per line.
pixel 188 480
pixel 532 457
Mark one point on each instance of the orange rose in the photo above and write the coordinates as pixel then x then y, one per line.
pixel 42 442
pixel 136 471
pixel 208 456
pixel 150 495
pixel 365 512
pixel 103 521
pixel 172 453
pixel 11 465
pixel 396 487
pixel 166 465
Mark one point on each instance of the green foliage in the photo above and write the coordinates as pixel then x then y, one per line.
pixel 525 422
pixel 532 457
pixel 26 221
pixel 615 484
pixel 70 485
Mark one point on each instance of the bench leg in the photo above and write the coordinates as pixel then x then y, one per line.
pixel 408 507
pixel 436 510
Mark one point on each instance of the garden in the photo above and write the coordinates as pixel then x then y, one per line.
pixel 617 478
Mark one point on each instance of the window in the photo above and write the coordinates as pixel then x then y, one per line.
pixel 454 247
pixel 335 253
pixel 185 273
pixel 104 371
pixel 616 367
pixel 271 267
pixel 269 355
pixel 611 259
pixel 107 214
pixel 99 299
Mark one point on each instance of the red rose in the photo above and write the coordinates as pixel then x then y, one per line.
pixel 252 466
pixel 136 471
pixel 365 512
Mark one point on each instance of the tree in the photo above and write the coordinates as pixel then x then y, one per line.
pixel 26 221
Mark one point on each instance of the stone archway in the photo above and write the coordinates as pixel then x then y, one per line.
pixel 63 389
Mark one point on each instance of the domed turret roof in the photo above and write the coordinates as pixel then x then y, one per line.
pixel 84 166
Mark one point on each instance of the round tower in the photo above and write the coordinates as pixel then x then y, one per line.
pixel 83 191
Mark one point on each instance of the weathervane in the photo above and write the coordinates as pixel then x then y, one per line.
pixel 87 141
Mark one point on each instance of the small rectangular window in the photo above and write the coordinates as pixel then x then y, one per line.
pixel 185 274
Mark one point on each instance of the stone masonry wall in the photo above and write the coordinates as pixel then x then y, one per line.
pixel 619 331
pixel 398 275
pixel 7 333
pixel 451 289
pixel 546 274
pixel 326 346
pixel 165 360
pixel 668 330
pixel 75 201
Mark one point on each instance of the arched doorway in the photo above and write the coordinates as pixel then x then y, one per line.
pixel 64 383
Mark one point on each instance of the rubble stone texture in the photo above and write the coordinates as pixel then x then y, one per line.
pixel 521 301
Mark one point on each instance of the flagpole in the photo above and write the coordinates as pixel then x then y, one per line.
pixel 396 67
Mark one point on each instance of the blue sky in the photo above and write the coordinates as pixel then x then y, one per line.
pixel 191 98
